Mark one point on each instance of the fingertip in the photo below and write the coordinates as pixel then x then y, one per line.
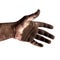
pixel 53 37
pixel 40 45
pixel 37 12
pixel 50 26
pixel 49 42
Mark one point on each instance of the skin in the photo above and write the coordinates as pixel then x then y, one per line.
pixel 26 30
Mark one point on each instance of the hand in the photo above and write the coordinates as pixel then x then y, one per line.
pixel 27 30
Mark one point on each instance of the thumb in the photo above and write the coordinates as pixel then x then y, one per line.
pixel 33 15
pixel 30 17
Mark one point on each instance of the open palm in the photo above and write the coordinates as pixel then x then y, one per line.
pixel 27 30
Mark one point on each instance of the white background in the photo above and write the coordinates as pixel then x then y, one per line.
pixel 13 10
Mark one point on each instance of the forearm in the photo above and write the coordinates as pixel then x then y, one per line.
pixel 6 31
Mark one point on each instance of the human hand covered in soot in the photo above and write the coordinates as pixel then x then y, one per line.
pixel 26 30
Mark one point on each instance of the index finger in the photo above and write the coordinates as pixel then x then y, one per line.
pixel 46 25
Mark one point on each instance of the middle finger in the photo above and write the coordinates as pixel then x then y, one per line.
pixel 45 33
